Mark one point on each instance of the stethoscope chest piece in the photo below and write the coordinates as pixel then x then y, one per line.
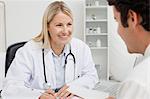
pixel 46 86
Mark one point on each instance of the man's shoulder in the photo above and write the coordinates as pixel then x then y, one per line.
pixel 141 73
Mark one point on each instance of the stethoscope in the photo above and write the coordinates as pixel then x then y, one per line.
pixel 47 85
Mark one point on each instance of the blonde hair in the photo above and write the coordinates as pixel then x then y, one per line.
pixel 53 9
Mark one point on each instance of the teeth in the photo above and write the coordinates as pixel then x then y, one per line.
pixel 63 36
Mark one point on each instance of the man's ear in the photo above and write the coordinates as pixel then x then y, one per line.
pixel 134 18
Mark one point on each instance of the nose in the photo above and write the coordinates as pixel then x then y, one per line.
pixel 65 29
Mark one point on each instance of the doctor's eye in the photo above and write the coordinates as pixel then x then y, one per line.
pixel 69 24
pixel 59 25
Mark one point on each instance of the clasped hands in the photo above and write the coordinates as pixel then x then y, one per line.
pixel 61 94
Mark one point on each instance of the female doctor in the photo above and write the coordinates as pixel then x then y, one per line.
pixel 48 65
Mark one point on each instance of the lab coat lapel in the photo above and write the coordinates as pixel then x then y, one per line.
pixel 50 68
pixel 69 67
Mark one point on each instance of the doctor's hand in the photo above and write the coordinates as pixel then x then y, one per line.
pixel 111 97
pixel 64 94
pixel 48 94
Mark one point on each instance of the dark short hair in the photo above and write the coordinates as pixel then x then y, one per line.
pixel 141 7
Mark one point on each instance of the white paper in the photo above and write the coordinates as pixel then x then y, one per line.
pixel 87 93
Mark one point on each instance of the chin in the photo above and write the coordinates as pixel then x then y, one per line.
pixel 131 51
pixel 65 42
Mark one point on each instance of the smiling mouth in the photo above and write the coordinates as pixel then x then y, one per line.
pixel 64 36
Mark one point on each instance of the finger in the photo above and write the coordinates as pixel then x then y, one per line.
pixel 44 96
pixel 70 96
pixel 50 91
pixel 65 95
pixel 62 89
pixel 110 97
pixel 62 93
pixel 51 97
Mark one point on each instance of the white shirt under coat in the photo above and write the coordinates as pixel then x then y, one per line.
pixel 59 62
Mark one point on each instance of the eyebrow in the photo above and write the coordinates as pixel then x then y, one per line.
pixel 62 22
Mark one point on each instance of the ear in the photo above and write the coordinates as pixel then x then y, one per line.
pixel 133 17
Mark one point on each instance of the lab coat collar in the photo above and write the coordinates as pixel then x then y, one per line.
pixel 65 51
pixel 147 51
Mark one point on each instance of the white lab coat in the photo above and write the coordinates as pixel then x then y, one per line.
pixel 137 85
pixel 25 76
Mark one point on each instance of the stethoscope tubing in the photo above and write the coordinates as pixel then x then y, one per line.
pixel 44 68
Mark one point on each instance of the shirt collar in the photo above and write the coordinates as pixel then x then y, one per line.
pixel 147 51
pixel 64 52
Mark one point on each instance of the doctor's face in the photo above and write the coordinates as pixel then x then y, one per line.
pixel 60 29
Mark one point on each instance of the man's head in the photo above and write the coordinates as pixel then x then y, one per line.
pixel 133 17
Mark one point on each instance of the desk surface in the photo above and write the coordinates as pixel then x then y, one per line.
pixel 107 86
pixel 110 87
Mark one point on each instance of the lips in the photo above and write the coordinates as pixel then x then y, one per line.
pixel 64 36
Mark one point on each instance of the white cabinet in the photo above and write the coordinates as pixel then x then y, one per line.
pixel 2 27
pixel 96 34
